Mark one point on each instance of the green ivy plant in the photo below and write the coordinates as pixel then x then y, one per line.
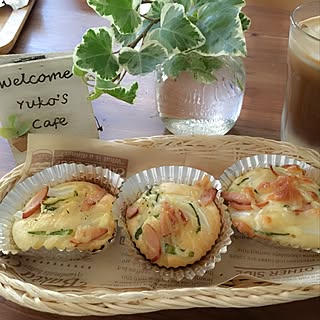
pixel 176 35
pixel 14 128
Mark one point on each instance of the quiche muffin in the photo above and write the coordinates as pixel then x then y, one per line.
pixel 279 203
pixel 175 224
pixel 74 214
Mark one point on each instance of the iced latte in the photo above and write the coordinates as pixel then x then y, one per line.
pixel 300 122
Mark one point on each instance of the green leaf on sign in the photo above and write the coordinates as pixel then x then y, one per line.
pixel 15 127
pixel 176 31
pixel 24 127
pixel 143 61
pixel 122 12
pixel 221 25
pixel 8 133
pixel 12 119
pixel 94 54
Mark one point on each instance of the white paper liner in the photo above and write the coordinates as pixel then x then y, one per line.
pixel 22 192
pixel 139 183
pixel 264 161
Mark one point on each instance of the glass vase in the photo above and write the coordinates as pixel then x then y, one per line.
pixel 189 107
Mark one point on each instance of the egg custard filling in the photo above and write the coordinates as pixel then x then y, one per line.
pixel 278 203
pixel 175 224
pixel 70 215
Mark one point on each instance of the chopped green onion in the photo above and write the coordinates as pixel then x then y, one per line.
pixel 37 233
pixel 198 219
pixel 272 233
pixel 191 254
pixel 169 248
pixel 138 233
pixel 61 232
pixel 50 208
pixel 243 180
pixel 54 200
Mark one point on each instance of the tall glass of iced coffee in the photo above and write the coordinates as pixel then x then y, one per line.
pixel 300 123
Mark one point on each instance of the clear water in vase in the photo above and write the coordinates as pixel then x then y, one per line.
pixel 188 107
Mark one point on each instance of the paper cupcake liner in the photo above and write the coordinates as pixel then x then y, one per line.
pixel 264 161
pixel 139 183
pixel 52 176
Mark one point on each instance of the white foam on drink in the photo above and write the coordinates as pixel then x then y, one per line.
pixel 307 48
pixel 311 26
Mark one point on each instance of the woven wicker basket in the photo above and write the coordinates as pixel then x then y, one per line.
pixel 235 293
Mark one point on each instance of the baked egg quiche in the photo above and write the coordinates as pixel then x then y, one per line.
pixel 279 203
pixel 174 225
pixel 75 214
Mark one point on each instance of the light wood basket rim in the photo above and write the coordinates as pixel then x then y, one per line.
pixel 240 293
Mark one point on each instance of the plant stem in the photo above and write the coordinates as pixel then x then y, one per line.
pixel 116 78
pixel 121 77
pixel 147 18
pixel 143 34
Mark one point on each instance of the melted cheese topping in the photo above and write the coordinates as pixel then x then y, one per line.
pixel 73 215
pixel 279 203
pixel 183 226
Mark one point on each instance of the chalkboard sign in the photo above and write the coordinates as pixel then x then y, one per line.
pixel 42 91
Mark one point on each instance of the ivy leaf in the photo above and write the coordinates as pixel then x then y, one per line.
pixel 104 84
pixel 143 61
pixel 175 65
pixel 123 38
pixel 78 72
pixel 202 67
pixel 122 12
pixel 236 3
pixel 8 133
pixel 126 95
pixel 94 54
pixel 186 3
pixel 155 9
pixel 245 21
pixel 220 23
pixel 176 31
